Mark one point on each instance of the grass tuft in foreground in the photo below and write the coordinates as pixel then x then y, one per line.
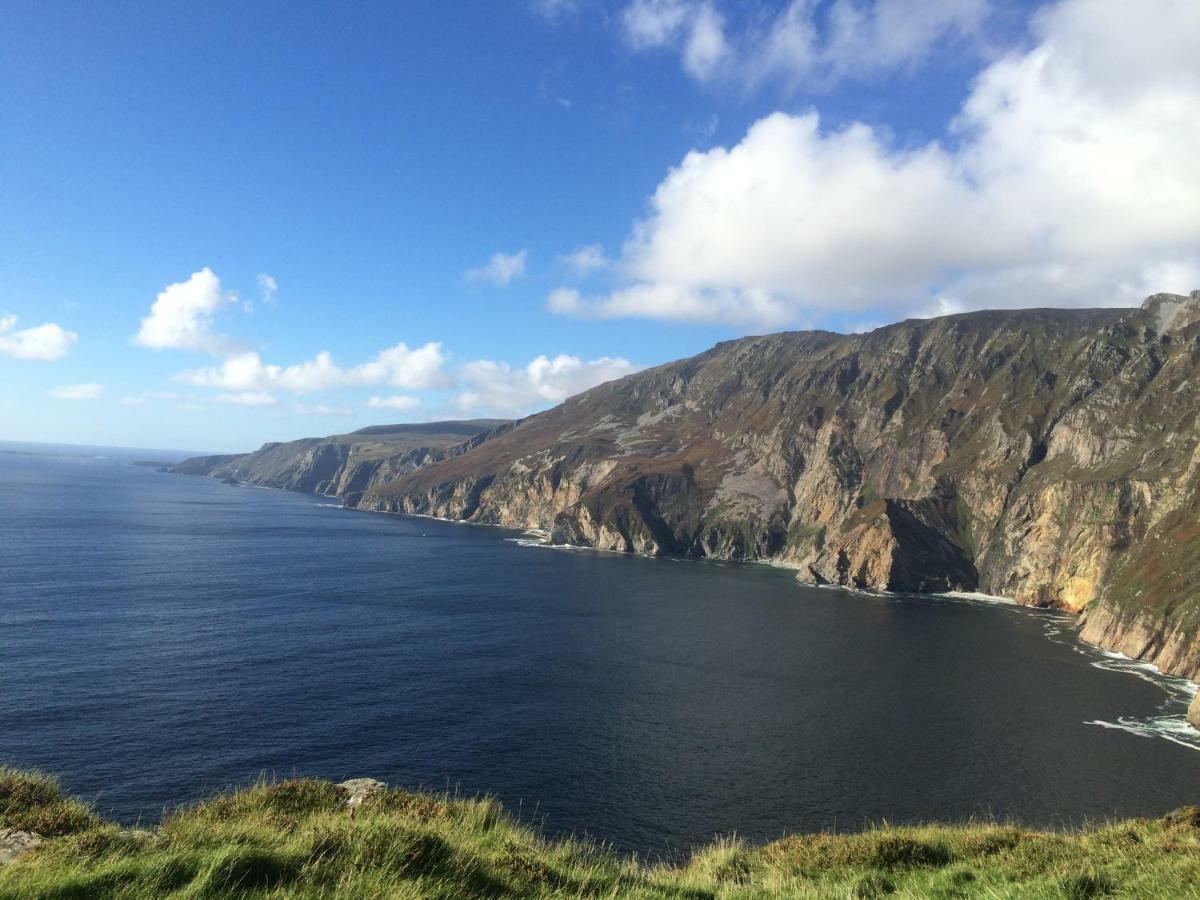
pixel 297 839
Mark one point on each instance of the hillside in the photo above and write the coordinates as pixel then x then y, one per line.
pixel 1045 455
pixel 1052 456
pixel 343 465
pixel 305 838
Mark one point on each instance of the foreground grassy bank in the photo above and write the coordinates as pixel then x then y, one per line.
pixel 300 838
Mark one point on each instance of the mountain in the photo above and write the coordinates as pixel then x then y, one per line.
pixel 344 465
pixel 1051 456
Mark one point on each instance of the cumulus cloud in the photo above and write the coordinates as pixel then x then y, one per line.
pixel 1072 181
pixel 89 391
pixel 46 342
pixel 500 388
pixel 399 366
pixel 397 401
pixel 500 269
pixel 801 45
pixel 181 318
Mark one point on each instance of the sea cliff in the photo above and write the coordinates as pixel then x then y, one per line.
pixel 1050 456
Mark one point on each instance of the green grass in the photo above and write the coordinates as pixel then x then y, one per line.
pixel 294 839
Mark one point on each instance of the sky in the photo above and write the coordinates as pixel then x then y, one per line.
pixel 228 223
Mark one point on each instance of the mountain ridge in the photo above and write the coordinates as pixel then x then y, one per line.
pixel 1051 456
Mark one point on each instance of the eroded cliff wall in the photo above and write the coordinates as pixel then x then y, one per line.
pixel 1044 455
pixel 1051 456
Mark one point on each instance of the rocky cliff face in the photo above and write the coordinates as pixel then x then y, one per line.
pixel 1052 456
pixel 345 465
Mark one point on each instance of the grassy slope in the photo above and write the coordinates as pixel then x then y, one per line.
pixel 293 839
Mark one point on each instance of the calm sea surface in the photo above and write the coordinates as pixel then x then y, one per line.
pixel 162 637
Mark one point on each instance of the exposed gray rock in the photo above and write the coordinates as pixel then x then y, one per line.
pixel 15 843
pixel 359 790
pixel 343 465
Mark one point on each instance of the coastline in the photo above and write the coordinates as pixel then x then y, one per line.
pixel 538 538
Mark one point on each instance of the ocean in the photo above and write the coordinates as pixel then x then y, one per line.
pixel 164 637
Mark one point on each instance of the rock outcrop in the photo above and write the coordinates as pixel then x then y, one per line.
pixel 1193 713
pixel 344 465
pixel 15 843
pixel 1051 456
pixel 358 791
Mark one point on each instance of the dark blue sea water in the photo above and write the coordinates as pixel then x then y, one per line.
pixel 162 637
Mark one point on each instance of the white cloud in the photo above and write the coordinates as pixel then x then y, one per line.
pixel 46 342
pixel 500 269
pixel 566 301
pixel 133 400
pixel 397 401
pixel 705 48
pixel 420 367
pixel 181 317
pixel 268 289
pixel 586 260
pixel 803 44
pixel 499 388
pixel 89 391
pixel 1073 182
pixel 865 37
pixel 675 302
pixel 656 23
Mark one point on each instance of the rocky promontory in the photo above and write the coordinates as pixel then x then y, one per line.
pixel 343 465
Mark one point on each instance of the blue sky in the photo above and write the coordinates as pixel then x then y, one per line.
pixel 348 179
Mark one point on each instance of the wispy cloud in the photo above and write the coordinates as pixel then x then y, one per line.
pixel 397 401
pixel 321 409
pixel 89 391
pixel 501 269
pixel 802 45
pixel 555 9
pixel 247 398
pixel 268 289
pixel 586 260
